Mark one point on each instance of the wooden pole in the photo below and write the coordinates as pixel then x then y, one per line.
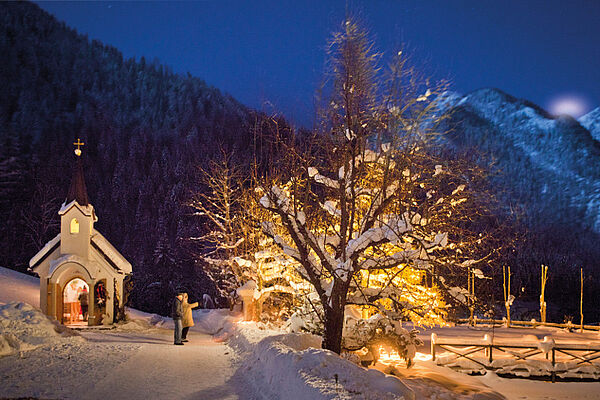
pixel 581 301
pixel 506 285
pixel 472 294
pixel 471 288
pixel 508 314
pixel 542 296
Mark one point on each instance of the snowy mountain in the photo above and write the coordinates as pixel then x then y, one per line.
pixel 544 170
pixel 591 122
pixel 544 163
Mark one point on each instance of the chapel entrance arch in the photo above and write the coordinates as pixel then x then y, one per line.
pixel 75 298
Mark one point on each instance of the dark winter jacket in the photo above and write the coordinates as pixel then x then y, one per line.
pixel 83 298
pixel 177 309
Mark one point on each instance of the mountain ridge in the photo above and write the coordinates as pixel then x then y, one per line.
pixel 591 121
pixel 558 146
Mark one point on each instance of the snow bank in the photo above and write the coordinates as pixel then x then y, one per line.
pixel 138 321
pixel 220 323
pixel 16 286
pixel 294 366
pixel 24 328
pixel 283 365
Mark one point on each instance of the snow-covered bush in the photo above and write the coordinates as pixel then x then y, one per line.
pixel 379 332
pixel 307 315
pixel 359 334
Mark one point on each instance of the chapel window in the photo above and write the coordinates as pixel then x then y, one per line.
pixel 74 226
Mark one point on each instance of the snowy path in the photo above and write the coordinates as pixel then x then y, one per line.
pixel 124 365
pixel 139 361
pixel 201 369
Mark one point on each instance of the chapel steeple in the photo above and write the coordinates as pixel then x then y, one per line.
pixel 77 190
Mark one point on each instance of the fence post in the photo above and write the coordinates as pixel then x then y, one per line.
pixel 433 337
pixel 507 299
pixel 553 365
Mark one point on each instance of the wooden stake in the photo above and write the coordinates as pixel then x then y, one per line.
pixel 581 301
pixel 506 294
pixel 471 288
pixel 542 296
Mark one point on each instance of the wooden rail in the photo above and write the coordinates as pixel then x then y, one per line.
pixel 568 356
pixel 533 324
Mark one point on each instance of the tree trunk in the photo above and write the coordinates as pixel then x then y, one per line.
pixel 334 324
pixel 334 318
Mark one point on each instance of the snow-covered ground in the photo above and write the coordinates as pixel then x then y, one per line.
pixel 138 361
pixel 15 286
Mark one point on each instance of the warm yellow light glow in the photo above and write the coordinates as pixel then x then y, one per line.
pixel 388 356
pixel 74 226
pixel 422 357
pixel 391 357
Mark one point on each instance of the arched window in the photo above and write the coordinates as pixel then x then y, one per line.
pixel 74 226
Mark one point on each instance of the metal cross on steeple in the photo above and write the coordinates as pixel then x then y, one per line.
pixel 78 143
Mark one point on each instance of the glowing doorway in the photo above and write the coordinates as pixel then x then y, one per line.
pixel 75 300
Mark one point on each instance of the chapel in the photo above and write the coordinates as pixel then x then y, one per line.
pixel 81 273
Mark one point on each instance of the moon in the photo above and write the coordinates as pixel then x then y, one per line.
pixel 569 105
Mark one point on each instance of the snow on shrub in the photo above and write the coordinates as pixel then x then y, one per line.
pixel 358 333
pixel 24 327
pixel 379 331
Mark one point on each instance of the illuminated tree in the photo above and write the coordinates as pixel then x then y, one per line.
pixel 235 249
pixel 218 204
pixel 368 212
pixel 264 263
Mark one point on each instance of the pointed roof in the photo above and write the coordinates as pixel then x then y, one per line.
pixel 98 242
pixel 78 191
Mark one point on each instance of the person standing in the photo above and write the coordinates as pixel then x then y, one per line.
pixel 177 315
pixel 83 300
pixel 188 319
pixel 72 300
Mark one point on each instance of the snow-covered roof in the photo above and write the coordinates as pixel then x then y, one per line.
pixel 48 247
pixel 110 253
pixel 85 210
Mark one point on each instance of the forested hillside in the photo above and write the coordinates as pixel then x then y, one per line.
pixel 146 131
pixel 544 170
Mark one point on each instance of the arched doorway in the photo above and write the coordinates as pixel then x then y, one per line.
pixel 75 302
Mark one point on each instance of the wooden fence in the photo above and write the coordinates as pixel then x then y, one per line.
pixel 533 323
pixel 543 358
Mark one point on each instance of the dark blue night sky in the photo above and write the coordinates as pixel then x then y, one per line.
pixel 270 54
